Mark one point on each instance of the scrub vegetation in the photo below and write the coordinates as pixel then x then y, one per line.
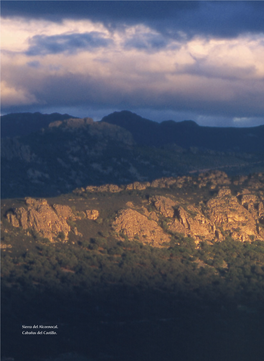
pixel 113 296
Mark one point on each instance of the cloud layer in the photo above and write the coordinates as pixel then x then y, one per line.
pixel 66 43
pixel 175 60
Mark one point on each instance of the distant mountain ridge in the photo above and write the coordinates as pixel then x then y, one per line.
pixel 20 124
pixel 189 134
pixel 77 152
pixel 185 134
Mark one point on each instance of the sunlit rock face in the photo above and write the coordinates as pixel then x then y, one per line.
pixel 191 222
pixel 164 205
pixel 223 215
pixel 205 214
pixel 135 225
pixel 46 220
pixel 239 219
pixel 40 217
pixel 112 188
pixel 92 214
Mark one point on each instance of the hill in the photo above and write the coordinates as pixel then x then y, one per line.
pixel 20 124
pixel 79 152
pixel 141 267
pixel 189 134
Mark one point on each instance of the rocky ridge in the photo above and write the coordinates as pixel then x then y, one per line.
pixel 46 220
pixel 213 179
pixel 223 215
pixel 234 209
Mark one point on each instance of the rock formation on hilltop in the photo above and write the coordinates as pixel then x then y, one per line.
pixel 39 216
pixel 228 214
pixel 47 221
pixel 172 206
pixel 240 217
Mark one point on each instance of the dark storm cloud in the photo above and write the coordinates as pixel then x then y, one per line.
pixel 55 44
pixel 218 19
pixel 86 89
pixel 106 11
pixel 204 68
pixel 146 42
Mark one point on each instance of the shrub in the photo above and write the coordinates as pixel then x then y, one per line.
pixel 61 236
pixel 93 246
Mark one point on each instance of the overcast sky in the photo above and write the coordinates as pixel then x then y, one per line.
pixel 162 60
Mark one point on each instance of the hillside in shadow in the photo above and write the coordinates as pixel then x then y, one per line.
pixel 189 134
pixel 20 124
pixel 75 153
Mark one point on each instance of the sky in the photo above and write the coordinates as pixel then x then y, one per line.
pixel 172 60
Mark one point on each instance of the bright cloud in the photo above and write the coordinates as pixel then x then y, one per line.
pixel 14 96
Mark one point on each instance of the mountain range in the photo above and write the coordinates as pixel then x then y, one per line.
pixel 60 153
pixel 20 124
pixel 149 133
pixel 189 134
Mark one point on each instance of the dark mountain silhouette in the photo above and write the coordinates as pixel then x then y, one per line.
pixel 189 134
pixel 19 124
pixel 123 148
pixel 144 131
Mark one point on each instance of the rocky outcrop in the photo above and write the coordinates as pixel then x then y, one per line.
pixel 164 205
pixel 111 188
pixel 151 219
pixel 64 212
pixel 240 217
pixel 92 214
pixel 135 225
pixel 55 124
pixel 192 223
pixel 213 178
pixel 239 220
pixel 256 181
pixel 48 221
pixel 253 181
pixel 183 181
pixel 77 123
pixel 72 123
pixel 140 186
pixel 163 182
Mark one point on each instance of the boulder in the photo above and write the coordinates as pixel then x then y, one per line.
pixel 92 214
